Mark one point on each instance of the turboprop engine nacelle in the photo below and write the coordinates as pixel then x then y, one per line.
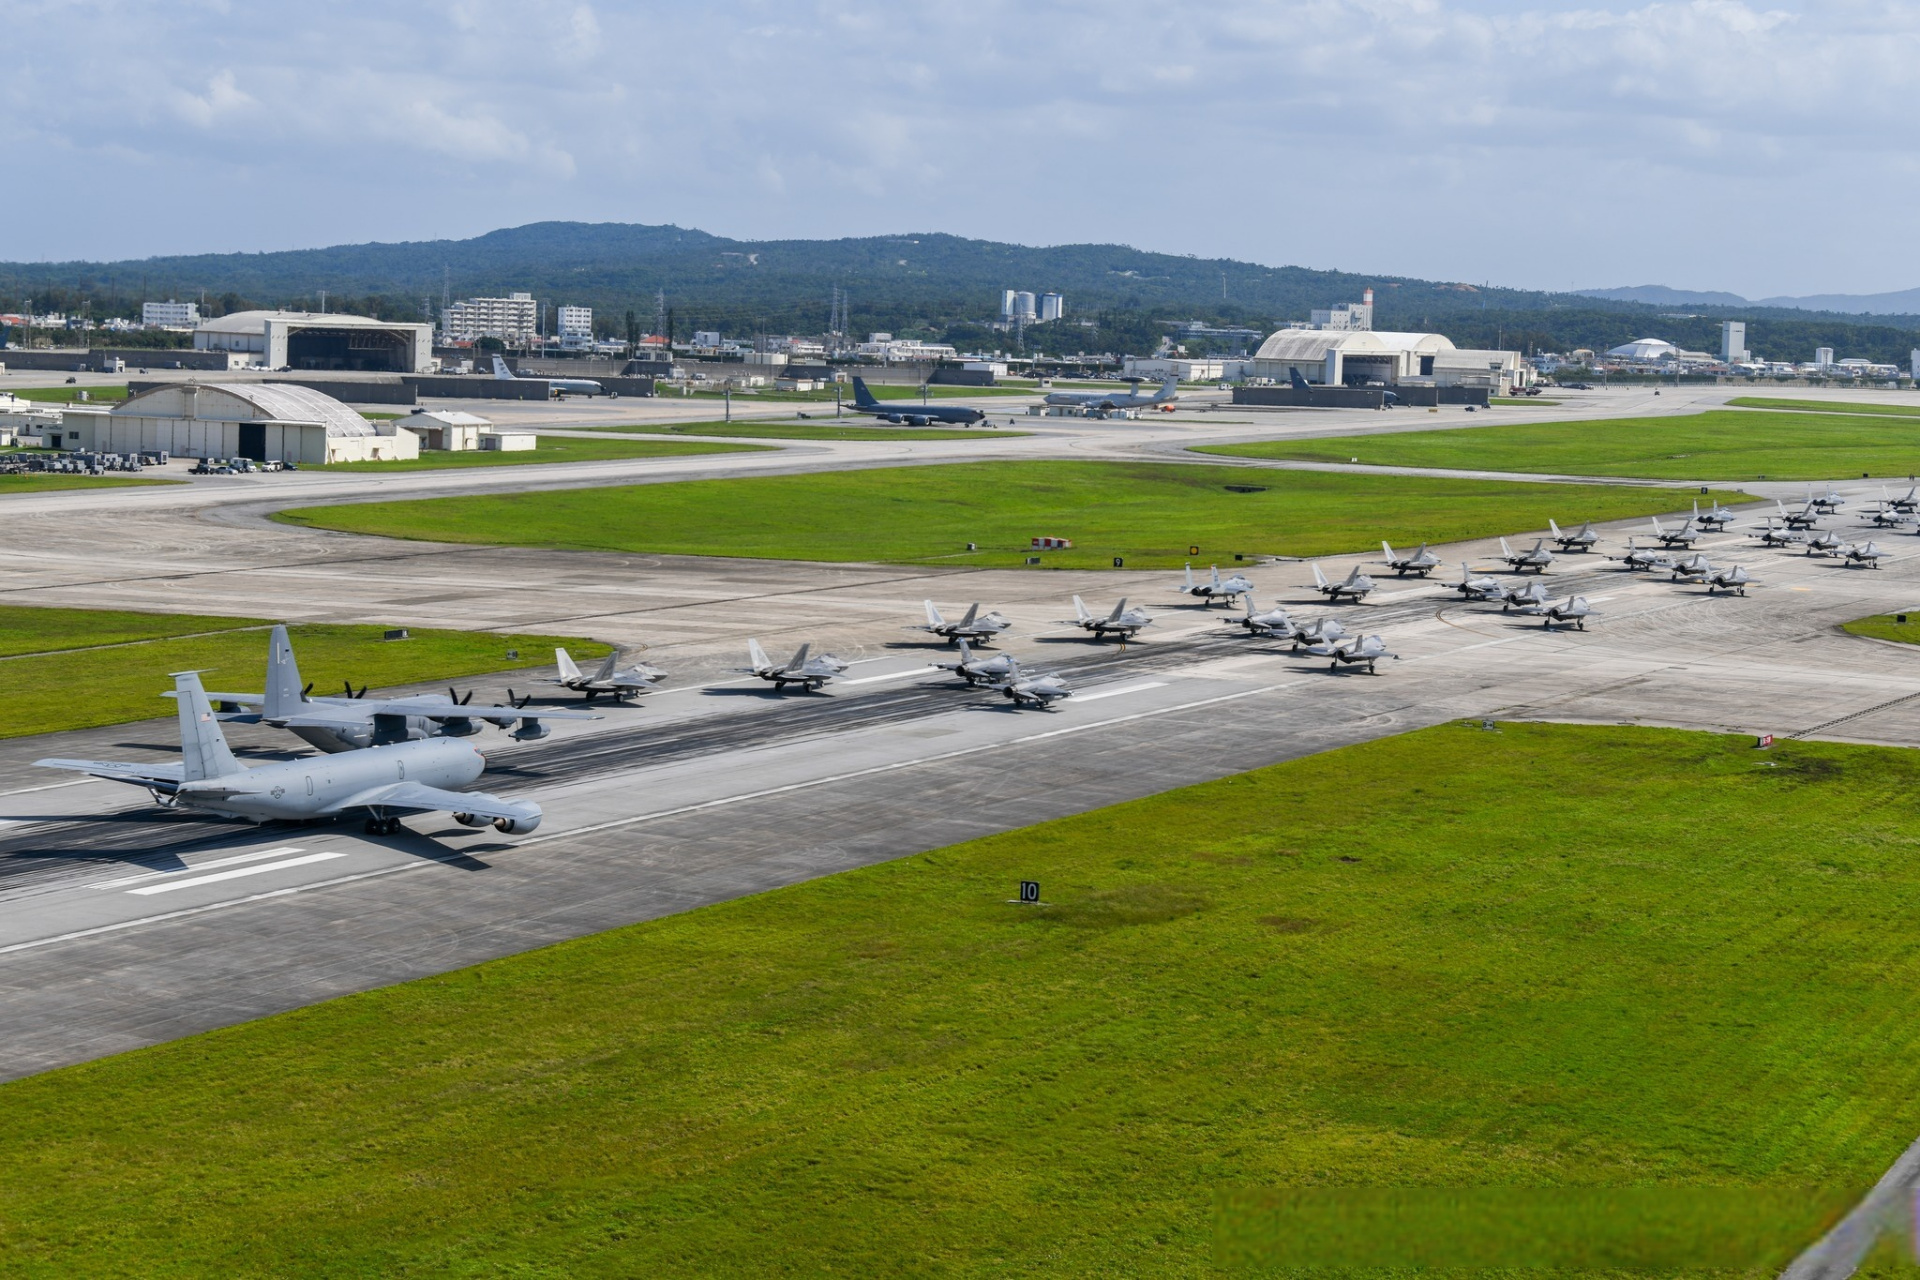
pixel 530 730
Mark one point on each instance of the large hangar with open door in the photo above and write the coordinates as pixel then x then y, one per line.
pixel 268 422
pixel 318 341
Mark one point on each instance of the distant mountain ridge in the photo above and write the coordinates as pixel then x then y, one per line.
pixel 1901 302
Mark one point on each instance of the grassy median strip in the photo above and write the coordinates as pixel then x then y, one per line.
pixel 1722 444
pixel 546 449
pixel 41 482
pixel 1148 514
pixel 1903 627
pixel 852 430
pixel 70 395
pixel 81 668
pixel 1685 963
pixel 1907 410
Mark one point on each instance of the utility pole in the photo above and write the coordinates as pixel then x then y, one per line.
pixel 729 395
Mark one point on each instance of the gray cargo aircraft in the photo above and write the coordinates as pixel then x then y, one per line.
pixel 1640 558
pixel 1472 588
pixel 354 721
pixel 1122 622
pixel 811 673
pixel 1574 610
pixel 1025 690
pixel 1207 592
pixel 609 677
pixel 1581 539
pixel 555 386
pixel 1105 402
pixel 973 627
pixel 1421 562
pixel 978 670
pixel 386 782
pixel 910 414
pixel 1537 559
pixel 1356 584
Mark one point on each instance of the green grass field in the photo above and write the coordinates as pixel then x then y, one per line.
pixel 70 395
pixel 1546 956
pixel 1825 406
pixel 1146 513
pixel 35 482
pixel 851 430
pixel 1722 444
pixel 547 449
pixel 1887 626
pixel 122 678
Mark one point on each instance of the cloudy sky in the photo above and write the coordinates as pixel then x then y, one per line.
pixel 1705 144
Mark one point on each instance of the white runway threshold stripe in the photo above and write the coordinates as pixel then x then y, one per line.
pixel 258 869
pixel 1125 688
pixel 891 675
pixel 260 855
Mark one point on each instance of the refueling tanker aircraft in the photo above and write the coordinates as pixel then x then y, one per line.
pixel 354 721
pixel 386 782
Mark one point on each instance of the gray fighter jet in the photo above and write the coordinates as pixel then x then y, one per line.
pixel 1825 543
pixel 1472 588
pixel 1215 589
pixel 1421 562
pixel 1732 578
pixel 1684 536
pixel 610 677
pixel 977 670
pixel 1908 502
pixel 354 721
pixel 1274 624
pixel 1866 553
pixel 1714 518
pixel 1641 558
pixel 1581 539
pixel 385 782
pixel 1356 584
pixel 1533 595
pixel 1825 503
pixel 1030 691
pixel 1773 535
pixel 1888 516
pixel 1354 651
pixel 1122 622
pixel 973 627
pixel 1574 610
pixel 1319 631
pixel 1537 559
pixel 1800 517
pixel 809 673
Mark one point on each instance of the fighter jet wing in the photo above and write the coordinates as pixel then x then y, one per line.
pixel 167 775
pixel 415 797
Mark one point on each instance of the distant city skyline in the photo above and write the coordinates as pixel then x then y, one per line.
pixel 1710 146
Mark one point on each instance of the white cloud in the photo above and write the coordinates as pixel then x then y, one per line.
pixel 1697 142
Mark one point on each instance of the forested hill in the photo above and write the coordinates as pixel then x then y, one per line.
pixel 926 284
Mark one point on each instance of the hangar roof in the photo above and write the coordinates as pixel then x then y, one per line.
pixel 247 402
pixel 1645 349
pixel 1304 345
pixel 256 321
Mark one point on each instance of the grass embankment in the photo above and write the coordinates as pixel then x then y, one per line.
pixel 1147 513
pixel 39 482
pixel 546 449
pixel 1684 967
pixel 123 660
pixel 69 395
pixel 810 431
pixel 1887 626
pixel 1721 444
pixel 1909 410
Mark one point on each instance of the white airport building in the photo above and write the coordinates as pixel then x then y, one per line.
pixel 268 422
pixel 514 319
pixel 169 315
pixel 1359 357
pixel 317 340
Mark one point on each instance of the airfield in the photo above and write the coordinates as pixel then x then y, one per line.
pixel 123 926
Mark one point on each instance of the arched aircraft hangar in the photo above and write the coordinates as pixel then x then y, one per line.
pixel 313 341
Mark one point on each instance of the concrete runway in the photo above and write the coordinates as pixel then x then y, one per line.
pixel 125 926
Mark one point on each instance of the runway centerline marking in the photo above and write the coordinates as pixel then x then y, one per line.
pixel 892 675
pixel 170 885
pixel 283 851
pixel 1114 693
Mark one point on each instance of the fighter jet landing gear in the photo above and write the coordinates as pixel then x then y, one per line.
pixel 384 827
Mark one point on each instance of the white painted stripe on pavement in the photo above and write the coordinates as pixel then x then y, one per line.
pixel 170 885
pixel 283 851
pixel 891 675
pixel 1114 693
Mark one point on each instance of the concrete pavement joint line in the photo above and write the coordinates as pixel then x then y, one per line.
pixel 283 851
pixel 1888 705
pixel 897 765
pixel 77 934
